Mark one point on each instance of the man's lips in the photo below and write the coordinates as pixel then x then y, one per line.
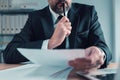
pixel 60 5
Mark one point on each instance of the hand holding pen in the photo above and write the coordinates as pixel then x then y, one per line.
pixel 62 30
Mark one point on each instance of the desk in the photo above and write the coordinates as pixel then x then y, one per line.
pixel 71 76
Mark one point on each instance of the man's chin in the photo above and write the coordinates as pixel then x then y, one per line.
pixel 59 12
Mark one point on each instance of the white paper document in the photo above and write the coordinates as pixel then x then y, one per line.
pixel 35 72
pixel 103 71
pixel 47 65
pixel 58 58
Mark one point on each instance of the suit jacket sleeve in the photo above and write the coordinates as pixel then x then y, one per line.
pixel 25 39
pixel 96 37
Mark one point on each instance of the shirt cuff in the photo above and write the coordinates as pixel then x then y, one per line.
pixel 45 44
pixel 103 53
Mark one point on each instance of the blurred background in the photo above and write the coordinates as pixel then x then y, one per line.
pixel 14 13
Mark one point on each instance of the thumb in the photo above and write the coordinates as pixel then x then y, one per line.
pixel 87 52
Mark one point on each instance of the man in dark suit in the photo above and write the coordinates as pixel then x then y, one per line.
pixel 80 29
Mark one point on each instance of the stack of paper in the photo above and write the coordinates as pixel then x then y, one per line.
pixel 104 71
pixel 52 57
pixel 48 65
pixel 34 72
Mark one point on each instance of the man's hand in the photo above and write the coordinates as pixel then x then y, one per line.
pixel 93 60
pixel 62 30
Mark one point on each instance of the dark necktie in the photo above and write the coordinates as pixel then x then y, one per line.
pixel 62 46
pixel 59 17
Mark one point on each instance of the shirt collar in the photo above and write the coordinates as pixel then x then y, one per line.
pixel 54 15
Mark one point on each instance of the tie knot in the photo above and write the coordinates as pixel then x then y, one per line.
pixel 59 17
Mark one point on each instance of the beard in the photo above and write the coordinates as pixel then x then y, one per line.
pixel 58 7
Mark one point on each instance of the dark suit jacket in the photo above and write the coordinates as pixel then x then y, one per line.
pixel 86 32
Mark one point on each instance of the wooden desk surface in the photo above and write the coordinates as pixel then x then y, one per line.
pixel 113 65
pixel 71 76
pixel 7 66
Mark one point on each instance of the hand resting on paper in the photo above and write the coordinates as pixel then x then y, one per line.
pixel 93 60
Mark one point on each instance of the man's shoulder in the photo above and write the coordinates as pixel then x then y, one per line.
pixel 81 6
pixel 40 12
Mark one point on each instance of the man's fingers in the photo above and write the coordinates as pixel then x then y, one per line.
pixel 68 33
pixel 84 64
pixel 64 19
pixel 80 63
pixel 82 60
pixel 100 62
pixel 68 27
pixel 67 23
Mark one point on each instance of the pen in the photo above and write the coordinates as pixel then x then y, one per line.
pixel 67 39
pixel 64 7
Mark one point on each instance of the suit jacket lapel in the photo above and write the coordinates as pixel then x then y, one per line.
pixel 73 16
pixel 47 22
